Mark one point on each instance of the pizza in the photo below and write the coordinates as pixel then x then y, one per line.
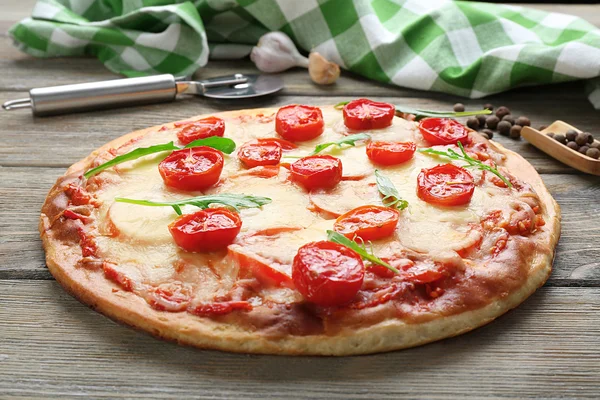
pixel 302 230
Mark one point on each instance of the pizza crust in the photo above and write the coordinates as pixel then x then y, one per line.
pixel 96 291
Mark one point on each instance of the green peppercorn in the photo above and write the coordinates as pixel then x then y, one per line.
pixel 573 145
pixel 515 131
pixel 593 152
pixel 502 111
pixel 509 118
pixel 583 149
pixel 459 107
pixel 488 132
pixel 504 128
pixel 492 121
pixel 523 121
pixel 571 135
pixel 560 138
pixel 473 123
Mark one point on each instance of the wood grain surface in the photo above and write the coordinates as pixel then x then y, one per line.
pixel 52 346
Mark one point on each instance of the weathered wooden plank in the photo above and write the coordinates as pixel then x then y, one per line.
pixel 61 348
pixel 62 140
pixel 22 192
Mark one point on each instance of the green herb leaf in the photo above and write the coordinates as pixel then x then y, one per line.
pixel 225 145
pixel 338 238
pixel 471 162
pixel 235 201
pixel 420 114
pixel 340 105
pixel 391 197
pixel 349 140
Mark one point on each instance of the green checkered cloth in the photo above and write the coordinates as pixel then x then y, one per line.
pixel 464 48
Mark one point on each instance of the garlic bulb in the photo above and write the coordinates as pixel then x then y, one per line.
pixel 321 71
pixel 275 52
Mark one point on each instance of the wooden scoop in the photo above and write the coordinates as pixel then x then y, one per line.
pixel 558 150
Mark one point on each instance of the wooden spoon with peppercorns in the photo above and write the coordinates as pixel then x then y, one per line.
pixel 567 144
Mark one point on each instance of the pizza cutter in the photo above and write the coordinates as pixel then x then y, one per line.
pixel 145 90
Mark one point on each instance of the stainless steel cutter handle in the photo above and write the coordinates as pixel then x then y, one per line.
pixel 115 93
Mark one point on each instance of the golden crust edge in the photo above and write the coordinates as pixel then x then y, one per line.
pixel 126 307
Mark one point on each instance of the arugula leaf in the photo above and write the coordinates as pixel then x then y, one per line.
pixel 471 162
pixel 225 145
pixel 420 114
pixel 350 140
pixel 235 201
pixel 338 238
pixel 391 197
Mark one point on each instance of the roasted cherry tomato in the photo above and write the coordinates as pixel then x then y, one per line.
pixel 298 123
pixel 443 131
pixel 192 169
pixel 367 222
pixel 201 129
pixel 327 273
pixel 390 153
pixel 317 172
pixel 206 230
pixel 261 152
pixel 445 185
pixel 367 114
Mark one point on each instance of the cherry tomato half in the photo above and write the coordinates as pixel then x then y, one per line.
pixel 443 131
pixel 317 172
pixel 367 114
pixel 192 169
pixel 200 129
pixel 445 185
pixel 254 154
pixel 327 273
pixel 390 153
pixel 206 230
pixel 298 123
pixel 367 222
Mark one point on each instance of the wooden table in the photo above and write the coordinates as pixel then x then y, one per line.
pixel 53 346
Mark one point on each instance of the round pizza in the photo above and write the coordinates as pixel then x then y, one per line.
pixel 302 230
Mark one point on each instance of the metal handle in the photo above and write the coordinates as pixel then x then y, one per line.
pixel 106 94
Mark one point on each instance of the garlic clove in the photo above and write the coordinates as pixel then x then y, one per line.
pixel 321 71
pixel 276 52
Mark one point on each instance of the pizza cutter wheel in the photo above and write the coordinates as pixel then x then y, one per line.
pixel 145 90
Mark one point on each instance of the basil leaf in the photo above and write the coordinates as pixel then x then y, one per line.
pixel 349 140
pixel 338 238
pixel 235 201
pixel 391 197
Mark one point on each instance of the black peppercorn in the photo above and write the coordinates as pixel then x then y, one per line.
pixel 482 119
pixel 542 127
pixel 488 132
pixel 560 138
pixel 571 134
pixel 593 152
pixel 492 121
pixel 504 128
pixel 488 106
pixel 509 118
pixel 502 111
pixel 515 132
pixel 459 107
pixel 573 145
pixel 550 134
pixel 590 138
pixel 583 149
pixel 473 123
pixel 595 144
pixel 523 121
pixel 581 138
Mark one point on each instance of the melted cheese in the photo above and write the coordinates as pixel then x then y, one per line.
pixel 145 252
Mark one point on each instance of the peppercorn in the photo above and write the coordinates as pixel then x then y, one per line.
pixel 583 149
pixel 473 123
pixel 509 118
pixel 488 132
pixel 593 152
pixel 560 138
pixel 485 135
pixel 571 134
pixel 523 121
pixel 590 138
pixel 504 128
pixel 459 107
pixel 573 145
pixel 581 138
pixel 542 127
pixel 550 134
pixel 515 132
pixel 488 106
pixel 492 121
pixel 502 111
pixel 595 144
pixel 482 119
